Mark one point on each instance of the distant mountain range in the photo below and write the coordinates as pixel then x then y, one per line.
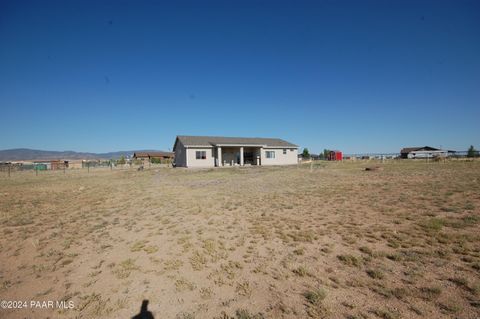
pixel 25 154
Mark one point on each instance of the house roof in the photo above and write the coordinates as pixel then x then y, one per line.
pixel 153 154
pixel 421 148
pixel 209 141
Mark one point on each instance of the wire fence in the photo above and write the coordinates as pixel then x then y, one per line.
pixel 9 169
pixel 45 168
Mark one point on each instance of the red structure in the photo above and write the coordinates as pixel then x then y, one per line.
pixel 335 156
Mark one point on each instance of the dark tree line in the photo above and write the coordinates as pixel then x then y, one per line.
pixel 321 156
pixel 472 152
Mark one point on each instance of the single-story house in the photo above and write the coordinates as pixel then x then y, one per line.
pixel 58 164
pixel 211 151
pixel 422 152
pixel 153 155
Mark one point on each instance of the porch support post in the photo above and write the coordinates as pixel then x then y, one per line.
pixel 219 156
pixel 241 156
pixel 261 156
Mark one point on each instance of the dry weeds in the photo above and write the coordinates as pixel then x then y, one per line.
pixel 334 241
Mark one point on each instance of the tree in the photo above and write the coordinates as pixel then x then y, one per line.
pixel 325 153
pixel 305 153
pixel 155 160
pixel 472 152
pixel 121 160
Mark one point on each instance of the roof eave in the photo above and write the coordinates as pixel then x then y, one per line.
pixel 196 146
pixel 284 146
pixel 241 145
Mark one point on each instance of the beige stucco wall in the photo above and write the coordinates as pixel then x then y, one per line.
pixel 186 157
pixel 180 155
pixel 193 162
pixel 280 159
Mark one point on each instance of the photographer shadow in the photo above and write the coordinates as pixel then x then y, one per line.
pixel 144 312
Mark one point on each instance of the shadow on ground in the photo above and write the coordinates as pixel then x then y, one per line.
pixel 144 313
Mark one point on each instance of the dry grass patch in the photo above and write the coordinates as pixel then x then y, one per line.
pixel 401 241
pixel 183 284
pixel 198 261
pixel 243 288
pixel 350 260
pixel 125 268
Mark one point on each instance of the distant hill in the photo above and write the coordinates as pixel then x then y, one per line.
pixel 25 154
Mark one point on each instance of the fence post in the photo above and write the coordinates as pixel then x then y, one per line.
pixel 88 167
pixel 9 170
pixel 36 170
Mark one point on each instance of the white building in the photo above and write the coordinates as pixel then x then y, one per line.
pixel 423 152
pixel 211 151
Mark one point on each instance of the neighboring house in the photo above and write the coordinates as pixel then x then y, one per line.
pixel 422 152
pixel 211 151
pixel 58 164
pixel 153 155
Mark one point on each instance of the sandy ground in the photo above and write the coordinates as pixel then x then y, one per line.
pixel 332 241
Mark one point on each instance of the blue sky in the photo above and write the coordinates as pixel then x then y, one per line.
pixel 359 76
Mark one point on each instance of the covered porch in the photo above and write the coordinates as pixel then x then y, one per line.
pixel 238 155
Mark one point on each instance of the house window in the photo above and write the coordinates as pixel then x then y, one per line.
pixel 201 155
pixel 284 151
pixel 270 154
pixel 291 150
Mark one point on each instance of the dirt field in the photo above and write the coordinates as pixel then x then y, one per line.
pixel 334 241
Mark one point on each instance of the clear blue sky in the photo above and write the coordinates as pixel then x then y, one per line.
pixel 360 76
